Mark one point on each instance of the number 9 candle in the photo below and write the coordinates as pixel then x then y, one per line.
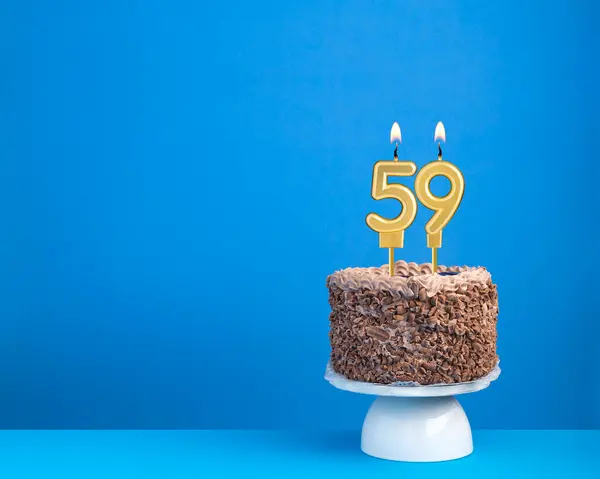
pixel 444 206
pixel 391 231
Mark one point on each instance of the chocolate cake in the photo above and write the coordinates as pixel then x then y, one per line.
pixel 413 326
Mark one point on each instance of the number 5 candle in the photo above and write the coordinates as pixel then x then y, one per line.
pixel 444 206
pixel 391 231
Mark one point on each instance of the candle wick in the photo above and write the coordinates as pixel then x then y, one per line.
pixel 396 152
pixel 439 151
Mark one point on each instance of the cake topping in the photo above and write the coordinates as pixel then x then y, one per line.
pixel 411 280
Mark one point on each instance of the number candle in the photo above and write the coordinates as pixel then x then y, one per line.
pixel 391 231
pixel 444 206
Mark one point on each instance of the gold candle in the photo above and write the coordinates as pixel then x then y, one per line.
pixel 391 231
pixel 444 206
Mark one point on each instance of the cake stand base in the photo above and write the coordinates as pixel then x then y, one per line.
pixel 416 429
pixel 414 423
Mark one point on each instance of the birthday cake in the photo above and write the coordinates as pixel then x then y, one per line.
pixel 414 326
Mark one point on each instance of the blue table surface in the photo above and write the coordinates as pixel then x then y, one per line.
pixel 176 454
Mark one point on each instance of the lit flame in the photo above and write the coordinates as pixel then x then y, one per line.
pixel 395 134
pixel 440 132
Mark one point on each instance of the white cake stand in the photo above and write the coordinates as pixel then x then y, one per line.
pixel 415 423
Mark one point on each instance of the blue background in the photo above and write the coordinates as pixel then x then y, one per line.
pixel 178 179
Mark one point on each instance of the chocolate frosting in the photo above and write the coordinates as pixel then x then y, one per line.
pixel 414 326
pixel 406 275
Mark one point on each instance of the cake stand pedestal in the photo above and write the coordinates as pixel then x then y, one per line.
pixel 414 423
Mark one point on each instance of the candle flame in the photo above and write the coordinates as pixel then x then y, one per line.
pixel 440 132
pixel 395 134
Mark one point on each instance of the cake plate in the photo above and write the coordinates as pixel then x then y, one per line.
pixel 414 423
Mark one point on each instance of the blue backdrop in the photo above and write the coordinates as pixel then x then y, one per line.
pixel 178 179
